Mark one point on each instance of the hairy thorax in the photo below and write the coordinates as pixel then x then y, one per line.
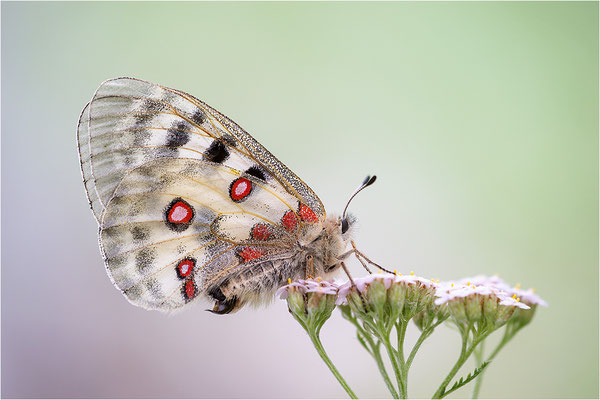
pixel 315 254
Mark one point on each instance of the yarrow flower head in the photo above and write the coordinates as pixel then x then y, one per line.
pixel 521 315
pixel 386 297
pixel 478 303
pixel 310 301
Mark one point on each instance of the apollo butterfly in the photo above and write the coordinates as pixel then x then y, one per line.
pixel 190 204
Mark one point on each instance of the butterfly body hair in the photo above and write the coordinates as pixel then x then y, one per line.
pixel 314 255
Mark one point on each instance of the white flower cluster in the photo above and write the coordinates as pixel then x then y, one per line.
pixel 487 286
pixel 475 300
pixel 380 303
pixel 308 286
pixel 388 279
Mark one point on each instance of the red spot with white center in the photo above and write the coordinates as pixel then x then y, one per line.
pixel 190 289
pixel 307 215
pixel 260 232
pixel 240 188
pixel 289 221
pixel 180 213
pixel 185 267
pixel 251 253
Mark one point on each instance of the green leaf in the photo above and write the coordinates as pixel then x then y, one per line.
pixel 363 342
pixel 463 381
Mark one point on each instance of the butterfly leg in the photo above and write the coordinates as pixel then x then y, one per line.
pixel 359 259
pixel 353 251
pixel 362 299
pixel 310 267
pixel 359 254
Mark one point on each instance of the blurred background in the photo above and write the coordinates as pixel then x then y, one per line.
pixel 480 120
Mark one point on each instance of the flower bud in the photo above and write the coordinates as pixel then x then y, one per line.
pixel 310 301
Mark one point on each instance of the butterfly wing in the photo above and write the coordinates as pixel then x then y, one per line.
pixel 182 194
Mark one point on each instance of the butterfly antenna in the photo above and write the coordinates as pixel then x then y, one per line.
pixel 369 180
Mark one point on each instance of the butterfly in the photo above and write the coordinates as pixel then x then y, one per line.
pixel 189 204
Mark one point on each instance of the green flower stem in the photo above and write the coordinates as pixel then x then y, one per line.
pixel 319 346
pixel 386 377
pixel 376 353
pixel 478 354
pixel 393 355
pixel 457 365
pixel 401 332
pixel 465 352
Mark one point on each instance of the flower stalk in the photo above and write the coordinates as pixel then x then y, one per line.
pixel 311 304
pixel 379 303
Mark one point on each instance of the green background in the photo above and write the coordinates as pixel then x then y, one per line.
pixel 480 120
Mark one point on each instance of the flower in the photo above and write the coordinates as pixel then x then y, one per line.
pixel 523 317
pixel 381 299
pixel 310 301
pixel 529 297
pixel 483 307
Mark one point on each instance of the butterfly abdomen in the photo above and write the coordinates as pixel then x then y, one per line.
pixel 256 281
pixel 254 284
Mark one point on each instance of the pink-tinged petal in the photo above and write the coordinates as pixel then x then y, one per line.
pixel 529 297
pixel 510 302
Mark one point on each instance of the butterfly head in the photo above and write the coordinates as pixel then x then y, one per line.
pixel 340 230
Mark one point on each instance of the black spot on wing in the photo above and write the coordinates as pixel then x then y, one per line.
pixel 178 135
pixel 144 259
pixel 139 233
pixel 256 172
pixel 154 288
pixel 217 152
pixel 147 111
pixel 229 140
pixel 199 117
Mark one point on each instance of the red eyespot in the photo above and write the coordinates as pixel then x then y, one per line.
pixel 185 267
pixel 289 221
pixel 240 188
pixel 251 253
pixel 179 212
pixel 260 232
pixel 307 215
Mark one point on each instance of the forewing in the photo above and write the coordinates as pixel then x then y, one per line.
pixel 129 122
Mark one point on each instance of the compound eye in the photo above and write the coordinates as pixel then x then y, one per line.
pixel 345 225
